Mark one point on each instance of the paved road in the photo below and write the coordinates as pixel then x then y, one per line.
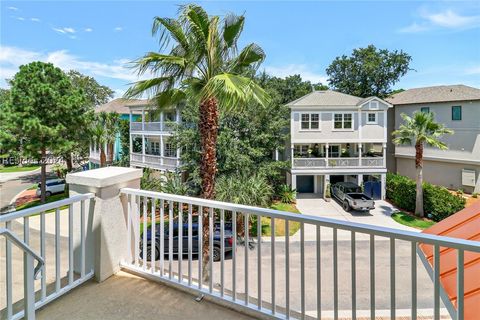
pixel 10 188
pixel 382 274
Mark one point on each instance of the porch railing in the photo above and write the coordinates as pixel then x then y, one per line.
pixel 337 162
pixel 66 272
pixel 284 276
pixel 154 160
pixel 152 126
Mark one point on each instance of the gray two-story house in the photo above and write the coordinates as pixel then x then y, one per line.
pixel 338 137
pixel 458 108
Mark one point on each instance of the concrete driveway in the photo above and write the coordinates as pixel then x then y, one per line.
pixel 380 216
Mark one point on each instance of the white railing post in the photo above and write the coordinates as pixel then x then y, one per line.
pixel 106 235
pixel 327 154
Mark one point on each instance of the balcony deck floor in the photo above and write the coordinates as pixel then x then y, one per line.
pixel 125 296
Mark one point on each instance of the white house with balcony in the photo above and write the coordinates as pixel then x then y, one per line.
pixel 338 137
pixel 151 142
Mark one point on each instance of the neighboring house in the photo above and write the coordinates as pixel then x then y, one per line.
pixel 119 106
pixel 150 137
pixel 338 137
pixel 456 106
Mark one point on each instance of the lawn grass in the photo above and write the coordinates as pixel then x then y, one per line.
pixel 35 203
pixel 33 187
pixel 280 223
pixel 25 168
pixel 412 221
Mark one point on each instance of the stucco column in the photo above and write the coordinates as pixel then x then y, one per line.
pixel 294 181
pixel 105 218
pixel 360 179
pixel 143 148
pixel 143 119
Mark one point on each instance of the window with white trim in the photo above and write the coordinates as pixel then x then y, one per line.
pixel 169 150
pixel 343 121
pixel 310 121
pixel 300 150
pixel 371 118
pixel 155 147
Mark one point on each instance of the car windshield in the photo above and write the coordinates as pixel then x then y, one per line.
pixel 352 189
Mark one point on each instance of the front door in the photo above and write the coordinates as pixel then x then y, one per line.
pixel 305 184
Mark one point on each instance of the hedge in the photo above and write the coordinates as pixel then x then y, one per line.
pixel 437 200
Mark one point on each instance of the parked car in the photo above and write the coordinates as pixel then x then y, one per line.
pixel 351 197
pixel 195 245
pixel 51 187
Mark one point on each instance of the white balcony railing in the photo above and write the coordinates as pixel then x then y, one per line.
pixel 293 278
pixel 60 257
pixel 152 126
pixel 154 160
pixel 337 162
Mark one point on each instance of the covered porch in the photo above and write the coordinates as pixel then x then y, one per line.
pixel 324 155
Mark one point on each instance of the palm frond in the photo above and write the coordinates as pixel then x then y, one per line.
pixel 232 28
pixel 169 28
pixel 156 62
pixel 233 92
pixel 251 55
pixel 148 87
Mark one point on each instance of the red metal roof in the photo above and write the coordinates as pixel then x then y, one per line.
pixel 464 224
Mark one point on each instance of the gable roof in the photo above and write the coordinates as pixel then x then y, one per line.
pixel 325 98
pixel 452 93
pixel 464 224
pixel 331 98
pixel 120 105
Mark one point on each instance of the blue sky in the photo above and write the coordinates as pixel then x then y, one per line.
pixel 99 38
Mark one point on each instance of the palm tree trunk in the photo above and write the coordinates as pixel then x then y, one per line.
pixel 103 158
pixel 208 167
pixel 419 172
pixel 110 152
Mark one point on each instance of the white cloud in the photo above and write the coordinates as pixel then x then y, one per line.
pixel 64 30
pixel 447 19
pixel 12 8
pixel 450 19
pixel 88 30
pixel 303 70
pixel 35 19
pixel 12 57
pixel 117 29
pixel 118 93
pixel 473 70
pixel 21 18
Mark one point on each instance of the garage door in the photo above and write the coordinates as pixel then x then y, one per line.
pixel 305 184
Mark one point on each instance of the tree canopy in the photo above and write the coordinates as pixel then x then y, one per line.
pixel 94 92
pixel 43 106
pixel 368 71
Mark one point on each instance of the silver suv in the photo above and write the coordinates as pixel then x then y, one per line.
pixel 52 186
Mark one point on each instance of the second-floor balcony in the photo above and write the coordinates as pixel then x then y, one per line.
pixel 153 126
pixel 346 155
pixel 153 120
pixel 128 240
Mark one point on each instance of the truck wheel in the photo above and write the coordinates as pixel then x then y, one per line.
pixel 346 206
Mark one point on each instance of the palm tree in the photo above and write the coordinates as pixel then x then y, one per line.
pixel 98 138
pixel 203 67
pixel 111 121
pixel 420 129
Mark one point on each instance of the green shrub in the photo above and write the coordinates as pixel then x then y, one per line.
pixel 286 194
pixel 475 195
pixel 252 190
pixel 460 192
pixel 328 193
pixel 437 200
